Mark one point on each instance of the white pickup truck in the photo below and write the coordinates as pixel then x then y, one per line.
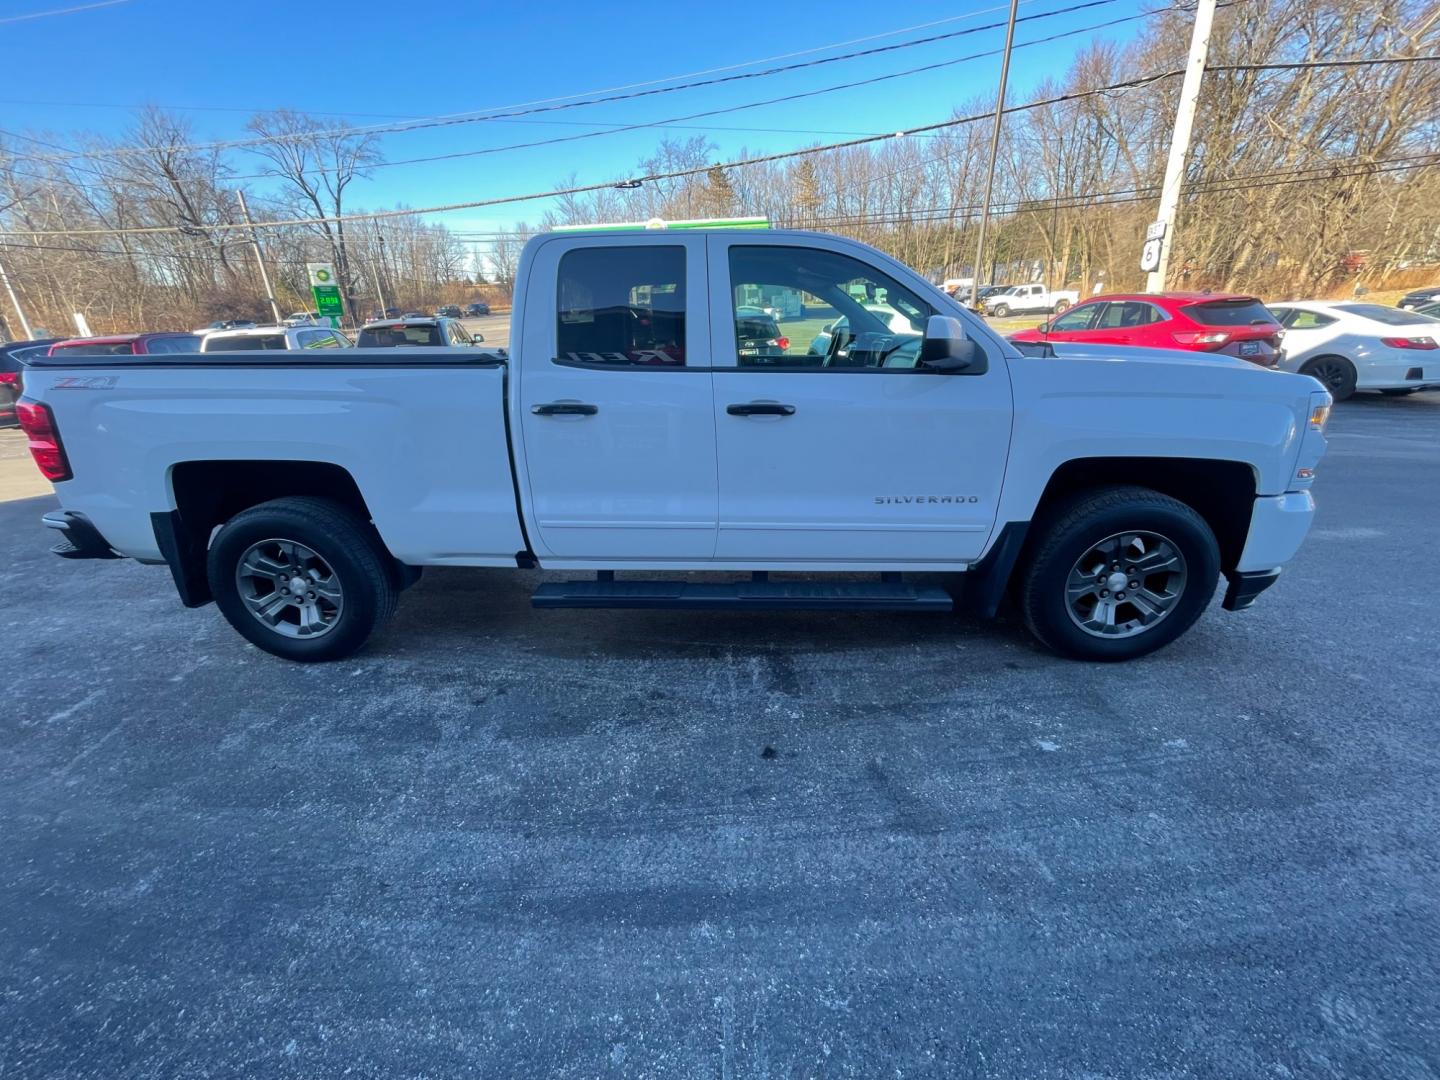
pixel 1026 299
pixel 624 433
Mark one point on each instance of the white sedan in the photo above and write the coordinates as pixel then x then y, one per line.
pixel 1354 346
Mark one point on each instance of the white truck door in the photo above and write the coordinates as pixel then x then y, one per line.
pixel 615 403
pixel 836 453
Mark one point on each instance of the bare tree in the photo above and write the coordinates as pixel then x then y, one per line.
pixel 318 160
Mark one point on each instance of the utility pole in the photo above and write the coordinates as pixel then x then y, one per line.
pixel 259 258
pixel 24 322
pixel 994 149
pixel 375 275
pixel 1180 145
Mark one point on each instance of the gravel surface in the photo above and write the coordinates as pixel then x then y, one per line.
pixel 513 843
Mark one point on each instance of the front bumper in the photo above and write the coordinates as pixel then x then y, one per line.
pixel 1278 524
pixel 81 539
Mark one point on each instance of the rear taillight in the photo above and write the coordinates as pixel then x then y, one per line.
pixel 783 342
pixel 38 423
pixel 1409 342
pixel 9 378
pixel 1202 339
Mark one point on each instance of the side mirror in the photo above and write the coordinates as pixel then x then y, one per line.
pixel 827 328
pixel 945 347
pixel 477 338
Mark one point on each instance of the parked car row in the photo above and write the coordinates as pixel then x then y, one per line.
pixel 1346 345
pixel 445 311
pixel 237 335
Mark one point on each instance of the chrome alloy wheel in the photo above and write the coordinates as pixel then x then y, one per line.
pixel 1125 585
pixel 289 588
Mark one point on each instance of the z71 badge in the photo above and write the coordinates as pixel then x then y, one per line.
pixel 86 382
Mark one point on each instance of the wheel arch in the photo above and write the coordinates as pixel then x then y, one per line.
pixel 208 493
pixel 1221 491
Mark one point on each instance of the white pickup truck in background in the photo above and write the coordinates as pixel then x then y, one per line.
pixel 1026 299
pixel 625 434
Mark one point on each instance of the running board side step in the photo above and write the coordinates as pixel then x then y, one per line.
pixel 742 595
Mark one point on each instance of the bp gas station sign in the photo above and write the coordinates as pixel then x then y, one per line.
pixel 325 288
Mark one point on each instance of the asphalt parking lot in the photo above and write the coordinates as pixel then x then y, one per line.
pixel 514 843
pixel 495 329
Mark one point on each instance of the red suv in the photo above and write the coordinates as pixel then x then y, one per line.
pixel 1201 322
pixel 129 345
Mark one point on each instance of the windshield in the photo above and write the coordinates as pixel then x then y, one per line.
pixel 244 342
pixel 381 337
pixel 1388 316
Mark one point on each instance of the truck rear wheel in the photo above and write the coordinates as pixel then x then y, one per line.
pixel 1117 573
pixel 303 578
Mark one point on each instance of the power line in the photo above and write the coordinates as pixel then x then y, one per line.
pixel 583 93
pixel 553 105
pixel 580 189
pixel 732 108
pixel 647 178
pixel 1043 205
pixel 1299 64
pixel 61 11
pixel 1338 169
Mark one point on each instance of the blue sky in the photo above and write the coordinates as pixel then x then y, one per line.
pixel 370 62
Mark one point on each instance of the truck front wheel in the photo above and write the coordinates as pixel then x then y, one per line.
pixel 1118 572
pixel 1061 305
pixel 1000 310
pixel 303 578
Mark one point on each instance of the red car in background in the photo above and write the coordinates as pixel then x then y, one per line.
pixel 1199 322
pixel 129 345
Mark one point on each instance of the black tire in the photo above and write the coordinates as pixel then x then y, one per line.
pixel 1075 527
pixel 347 543
pixel 1061 305
pixel 1000 310
pixel 1335 373
pixel 1398 392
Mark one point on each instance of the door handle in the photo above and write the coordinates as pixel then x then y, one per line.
pixel 760 408
pixel 565 408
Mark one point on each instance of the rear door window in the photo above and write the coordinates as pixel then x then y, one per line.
pixel 1126 315
pixel 1300 319
pixel 622 306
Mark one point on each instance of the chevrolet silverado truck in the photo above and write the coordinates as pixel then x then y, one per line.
pixel 1027 299
pixel 626 434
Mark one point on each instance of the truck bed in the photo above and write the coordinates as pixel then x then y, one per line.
pixel 422 434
